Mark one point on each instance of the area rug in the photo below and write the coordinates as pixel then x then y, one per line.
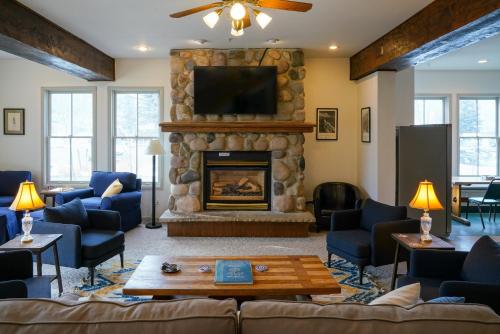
pixel 110 279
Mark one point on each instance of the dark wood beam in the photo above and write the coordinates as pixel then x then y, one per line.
pixel 441 27
pixel 29 35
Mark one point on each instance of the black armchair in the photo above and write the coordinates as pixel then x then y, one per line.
pixel 333 196
pixel 363 236
pixel 474 275
pixel 86 246
pixel 16 277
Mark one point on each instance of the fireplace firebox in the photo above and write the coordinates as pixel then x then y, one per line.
pixel 237 180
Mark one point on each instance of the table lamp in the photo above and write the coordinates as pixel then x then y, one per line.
pixel 154 148
pixel 27 199
pixel 426 199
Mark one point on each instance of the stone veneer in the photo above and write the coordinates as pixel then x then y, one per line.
pixel 287 149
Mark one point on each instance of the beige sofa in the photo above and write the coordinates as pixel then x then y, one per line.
pixel 221 316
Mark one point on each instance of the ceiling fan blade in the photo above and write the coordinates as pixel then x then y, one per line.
pixel 196 10
pixel 285 5
pixel 246 21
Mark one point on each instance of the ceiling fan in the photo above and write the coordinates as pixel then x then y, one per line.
pixel 240 11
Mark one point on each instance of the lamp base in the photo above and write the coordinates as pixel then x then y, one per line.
pixel 153 226
pixel 26 238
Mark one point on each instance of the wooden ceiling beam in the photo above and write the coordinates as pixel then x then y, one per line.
pixel 27 34
pixel 441 27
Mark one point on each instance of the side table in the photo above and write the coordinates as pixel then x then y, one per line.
pixel 52 192
pixel 40 243
pixel 411 241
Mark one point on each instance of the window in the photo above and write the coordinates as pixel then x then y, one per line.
pixel 430 110
pixel 136 114
pixel 69 135
pixel 478 136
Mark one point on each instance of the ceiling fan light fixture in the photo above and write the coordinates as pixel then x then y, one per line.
pixel 212 18
pixel 262 19
pixel 238 11
pixel 238 25
pixel 237 33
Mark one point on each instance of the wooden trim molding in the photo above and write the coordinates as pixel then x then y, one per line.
pixel 245 127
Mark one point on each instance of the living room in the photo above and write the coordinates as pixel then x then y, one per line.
pixel 341 121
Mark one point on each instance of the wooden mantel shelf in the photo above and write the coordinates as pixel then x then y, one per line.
pixel 244 126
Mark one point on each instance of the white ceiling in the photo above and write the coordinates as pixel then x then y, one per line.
pixel 467 58
pixel 116 26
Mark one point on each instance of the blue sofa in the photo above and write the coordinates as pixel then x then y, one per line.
pixel 127 203
pixel 9 185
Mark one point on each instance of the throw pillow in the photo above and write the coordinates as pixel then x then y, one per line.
pixel 405 296
pixel 69 213
pixel 114 188
pixel 448 300
pixel 482 264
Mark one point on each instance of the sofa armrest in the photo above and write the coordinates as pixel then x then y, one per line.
pixel 345 220
pixel 474 292
pixel 382 245
pixel 13 289
pixel 16 265
pixel 442 264
pixel 68 196
pixel 69 246
pixel 104 219
pixel 122 202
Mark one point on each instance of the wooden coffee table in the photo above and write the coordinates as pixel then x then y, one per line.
pixel 287 275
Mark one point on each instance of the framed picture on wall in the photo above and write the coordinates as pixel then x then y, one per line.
pixel 366 126
pixel 13 121
pixel 327 124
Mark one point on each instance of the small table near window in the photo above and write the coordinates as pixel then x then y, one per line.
pixel 456 194
pixel 52 192
pixel 40 243
pixel 411 241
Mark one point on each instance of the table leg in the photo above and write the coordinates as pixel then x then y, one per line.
pixel 39 264
pixel 395 267
pixel 58 268
pixel 456 205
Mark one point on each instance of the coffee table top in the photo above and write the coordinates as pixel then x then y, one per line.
pixel 287 275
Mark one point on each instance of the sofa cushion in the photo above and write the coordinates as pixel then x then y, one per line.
pixel 405 296
pixel 189 316
pixel 114 188
pixel 6 201
pixel 354 242
pixel 38 286
pixel 10 180
pixel 10 227
pixel 69 213
pixel 482 264
pixel 96 243
pixel 101 180
pixel 429 287
pixel 375 212
pixel 92 202
pixel 449 300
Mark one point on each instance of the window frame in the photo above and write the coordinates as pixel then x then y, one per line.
pixel 446 98
pixel 495 97
pixel 46 92
pixel 160 161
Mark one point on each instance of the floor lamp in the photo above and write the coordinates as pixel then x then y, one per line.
pixel 154 148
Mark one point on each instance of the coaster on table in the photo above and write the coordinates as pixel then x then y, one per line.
pixel 204 268
pixel 261 268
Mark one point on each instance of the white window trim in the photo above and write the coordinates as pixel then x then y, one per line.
pixel 160 160
pixel 45 132
pixel 495 96
pixel 447 104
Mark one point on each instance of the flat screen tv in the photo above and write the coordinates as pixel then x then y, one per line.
pixel 235 90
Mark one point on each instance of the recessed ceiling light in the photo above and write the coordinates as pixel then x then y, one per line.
pixel 482 61
pixel 200 41
pixel 142 48
pixel 273 40
pixel 333 47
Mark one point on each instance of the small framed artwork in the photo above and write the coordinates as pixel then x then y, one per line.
pixel 13 121
pixel 327 124
pixel 366 126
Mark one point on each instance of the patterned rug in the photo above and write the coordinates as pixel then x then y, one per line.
pixel 110 279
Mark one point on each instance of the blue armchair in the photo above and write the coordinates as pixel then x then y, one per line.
pixel 127 203
pixel 9 185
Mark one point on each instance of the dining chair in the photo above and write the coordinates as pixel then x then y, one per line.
pixel 491 198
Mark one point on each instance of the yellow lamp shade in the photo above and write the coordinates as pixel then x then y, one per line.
pixel 425 198
pixel 27 198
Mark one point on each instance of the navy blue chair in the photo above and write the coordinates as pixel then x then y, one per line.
pixel 90 237
pixel 363 236
pixel 9 225
pixel 474 275
pixel 16 277
pixel 127 203
pixel 9 185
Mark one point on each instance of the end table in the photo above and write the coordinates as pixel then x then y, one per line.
pixel 411 241
pixel 40 243
pixel 52 192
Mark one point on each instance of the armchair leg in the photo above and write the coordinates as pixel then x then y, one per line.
pixel 329 263
pixel 121 259
pixel 481 214
pixel 91 273
pixel 361 269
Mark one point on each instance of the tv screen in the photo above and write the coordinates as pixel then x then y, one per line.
pixel 235 90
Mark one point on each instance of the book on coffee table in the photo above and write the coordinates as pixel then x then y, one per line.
pixel 233 272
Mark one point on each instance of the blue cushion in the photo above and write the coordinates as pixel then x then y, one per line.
pixel 448 300
pixel 92 202
pixel 11 226
pixel 353 242
pixel 375 212
pixel 482 264
pixel 38 286
pixel 69 213
pixel 101 180
pixel 10 180
pixel 6 201
pixel 97 243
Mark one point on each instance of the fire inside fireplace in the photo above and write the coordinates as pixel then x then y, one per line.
pixel 237 180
